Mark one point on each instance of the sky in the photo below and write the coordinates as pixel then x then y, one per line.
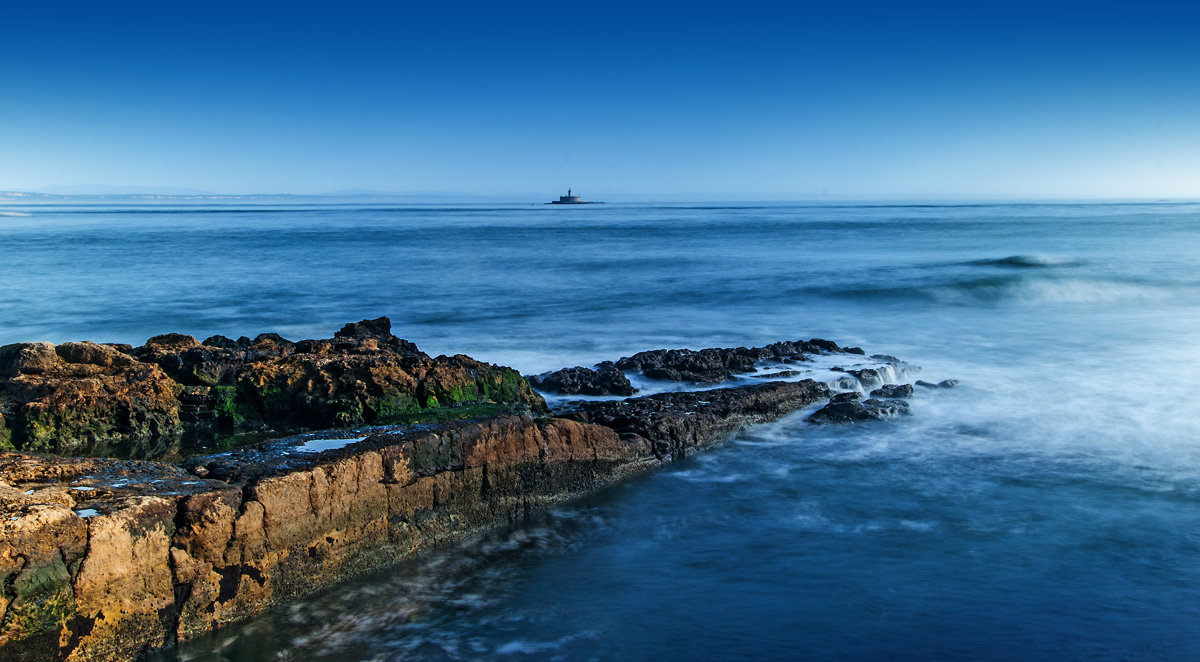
pixel 619 100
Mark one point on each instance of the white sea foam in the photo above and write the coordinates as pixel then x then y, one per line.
pixel 87 512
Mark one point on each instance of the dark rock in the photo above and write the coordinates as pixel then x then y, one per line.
pixel 713 365
pixel 675 424
pixel 853 350
pixel 868 377
pixel 945 383
pixel 893 391
pixel 279 341
pixel 379 328
pixel 781 374
pixel 848 410
pixel 848 396
pixel 171 341
pixel 585 381
pixel 843 412
pixel 222 342
pixel 686 365
pixel 887 407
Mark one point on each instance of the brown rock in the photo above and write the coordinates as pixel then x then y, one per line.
pixel 28 358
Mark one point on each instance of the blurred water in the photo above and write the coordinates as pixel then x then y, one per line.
pixel 1047 509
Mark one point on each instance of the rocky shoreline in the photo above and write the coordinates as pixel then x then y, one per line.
pixel 101 559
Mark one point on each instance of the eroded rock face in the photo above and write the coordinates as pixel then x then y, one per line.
pixel 101 558
pixel 90 399
pixel 719 364
pixel 605 380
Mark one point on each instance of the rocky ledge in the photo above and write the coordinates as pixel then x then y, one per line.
pixel 696 366
pixel 84 398
pixel 101 559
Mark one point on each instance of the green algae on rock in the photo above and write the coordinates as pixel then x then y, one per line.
pixel 94 400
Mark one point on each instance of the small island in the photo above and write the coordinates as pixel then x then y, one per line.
pixel 570 199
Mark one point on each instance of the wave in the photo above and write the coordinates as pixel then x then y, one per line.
pixel 1026 261
pixel 1022 288
pixel 14 213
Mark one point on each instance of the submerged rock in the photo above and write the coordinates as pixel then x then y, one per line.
pixel 578 380
pixel 945 383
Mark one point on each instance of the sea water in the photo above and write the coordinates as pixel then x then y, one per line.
pixel 1046 509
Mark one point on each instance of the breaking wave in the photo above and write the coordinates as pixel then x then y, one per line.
pixel 1026 261
pixel 1024 289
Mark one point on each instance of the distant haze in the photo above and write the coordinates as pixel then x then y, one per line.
pixel 629 101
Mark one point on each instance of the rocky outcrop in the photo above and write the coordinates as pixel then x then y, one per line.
pixel 708 366
pixel 83 397
pixel 100 558
pixel 92 399
pixel 847 408
pixel 605 380
pixel 945 383
pixel 675 424
pixel 893 391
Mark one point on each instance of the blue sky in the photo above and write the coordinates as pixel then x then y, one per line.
pixel 621 100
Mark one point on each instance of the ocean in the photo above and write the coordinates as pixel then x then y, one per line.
pixel 1046 509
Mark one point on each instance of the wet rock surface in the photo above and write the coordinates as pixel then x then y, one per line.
pixel 708 366
pixel 675 424
pixel 945 383
pixel 848 408
pixel 893 391
pixel 94 399
pixel 606 380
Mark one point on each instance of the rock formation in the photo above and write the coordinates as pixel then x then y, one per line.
pixel 708 366
pixel 90 399
pixel 101 559
pixel 605 380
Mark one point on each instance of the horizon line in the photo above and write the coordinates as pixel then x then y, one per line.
pixel 515 198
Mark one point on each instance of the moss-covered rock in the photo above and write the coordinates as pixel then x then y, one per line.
pixel 91 399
